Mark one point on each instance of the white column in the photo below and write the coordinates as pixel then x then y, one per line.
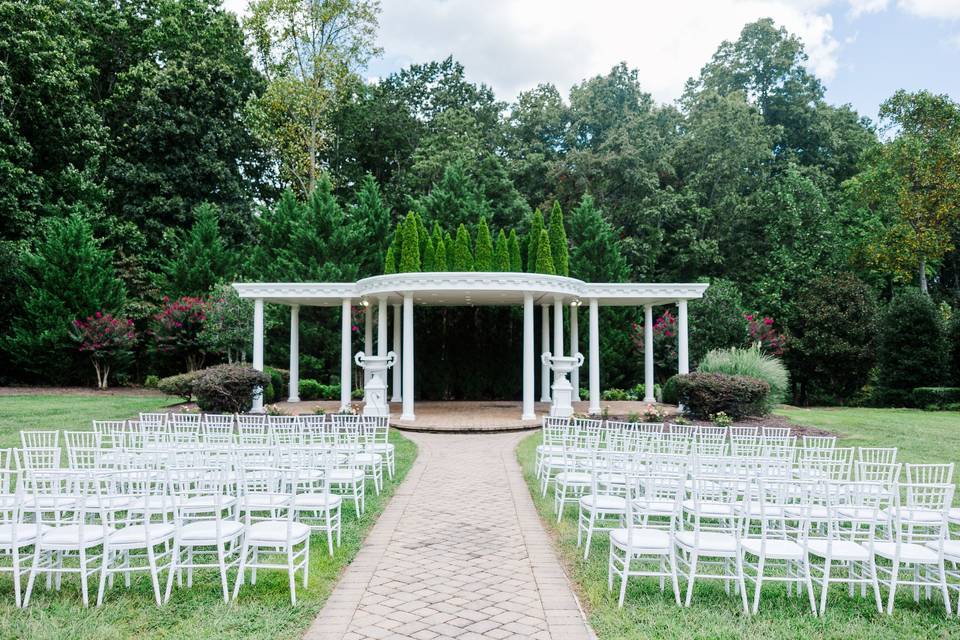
pixel 594 357
pixel 294 395
pixel 683 366
pixel 397 349
pixel 382 327
pixel 574 348
pixel 648 354
pixel 346 326
pixel 528 410
pixel 257 406
pixel 558 326
pixel 407 358
pixel 545 346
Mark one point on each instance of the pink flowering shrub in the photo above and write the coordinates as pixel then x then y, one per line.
pixel 107 340
pixel 177 327
pixel 763 334
pixel 664 340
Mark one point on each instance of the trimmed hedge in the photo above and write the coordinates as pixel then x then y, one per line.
pixel 228 388
pixel 705 394
pixel 179 385
pixel 669 393
pixel 935 397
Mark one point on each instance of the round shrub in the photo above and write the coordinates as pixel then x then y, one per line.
pixel 179 385
pixel 834 322
pixel 911 347
pixel 228 388
pixel 669 393
pixel 752 363
pixel 706 394
pixel 310 389
pixel 151 381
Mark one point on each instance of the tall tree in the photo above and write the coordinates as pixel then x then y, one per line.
pixel 501 254
pixel 370 216
pixel 67 277
pixel 596 255
pixel 462 256
pixel 307 50
pixel 533 240
pixel 199 258
pixel 558 241
pixel 410 247
pixel 513 247
pixel 483 247
pixel 545 255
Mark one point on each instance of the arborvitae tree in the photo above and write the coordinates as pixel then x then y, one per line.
pixel 370 215
pixel 911 346
pixel 422 233
pixel 558 241
pixel 440 256
pixel 501 255
pixel 389 261
pixel 200 259
pixel 513 247
pixel 484 247
pixel 545 255
pixel 596 255
pixel 396 243
pixel 533 240
pixel 462 257
pixel 429 256
pixel 410 249
pixel 448 243
pixel 68 277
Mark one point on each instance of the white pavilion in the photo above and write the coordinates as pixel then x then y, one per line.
pixel 404 290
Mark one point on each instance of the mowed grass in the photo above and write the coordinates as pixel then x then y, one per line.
pixel 262 610
pixel 648 613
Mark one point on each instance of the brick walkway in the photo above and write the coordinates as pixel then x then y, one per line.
pixel 458 553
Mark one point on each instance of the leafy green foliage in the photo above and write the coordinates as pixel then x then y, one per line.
pixel 545 255
pixel 389 261
pixel 199 258
pixel 706 394
pixel 484 247
pixel 513 247
pixel 935 397
pixel 370 216
pixel 716 320
pixel 533 240
pixel 501 255
pixel 462 256
pixel 410 247
pixel 752 363
pixel 228 324
pixel 954 342
pixel 558 242
pixel 835 320
pixel 911 347
pixel 227 388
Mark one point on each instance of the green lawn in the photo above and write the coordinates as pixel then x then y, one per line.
pixel 262 611
pixel 921 436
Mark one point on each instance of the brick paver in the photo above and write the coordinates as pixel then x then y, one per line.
pixel 458 553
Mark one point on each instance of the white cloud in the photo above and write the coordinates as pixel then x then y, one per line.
pixel 861 7
pixel 942 9
pixel 512 45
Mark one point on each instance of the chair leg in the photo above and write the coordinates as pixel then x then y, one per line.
pixel 244 550
pixel 16 577
pixel 943 586
pixel 805 564
pixel 222 563
pixel 875 582
pixel 742 584
pixel 825 587
pixel 174 569
pixel 894 574
pixel 292 576
pixel 675 582
pixel 306 561
pixel 623 578
pixel 329 534
pixel 756 588
pixel 83 578
pixel 690 578
pixel 33 575
pixel 105 562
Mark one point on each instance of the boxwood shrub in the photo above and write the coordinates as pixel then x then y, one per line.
pixel 935 397
pixel 310 389
pixel 705 394
pixel 179 385
pixel 228 388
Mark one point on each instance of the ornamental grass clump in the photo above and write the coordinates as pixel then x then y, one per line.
pixel 752 363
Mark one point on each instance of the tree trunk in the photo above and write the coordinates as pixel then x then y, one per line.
pixel 923 275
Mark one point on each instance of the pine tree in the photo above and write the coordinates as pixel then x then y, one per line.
pixel 484 247
pixel 513 246
pixel 68 277
pixel 396 242
pixel 558 241
pixel 440 256
pixel 410 249
pixel 596 255
pixel 429 257
pixel 501 255
pixel 370 216
pixel 462 257
pixel 422 234
pixel 533 240
pixel 389 262
pixel 201 258
pixel 544 254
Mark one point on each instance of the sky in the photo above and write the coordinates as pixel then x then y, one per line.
pixel 862 50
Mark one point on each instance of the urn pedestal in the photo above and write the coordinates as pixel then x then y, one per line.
pixel 375 382
pixel 561 405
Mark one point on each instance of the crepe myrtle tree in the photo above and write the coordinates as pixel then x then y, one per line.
pixel 177 326
pixel 107 340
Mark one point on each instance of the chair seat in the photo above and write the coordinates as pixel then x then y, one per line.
pixel 48 503
pixel 136 535
pixel 918 515
pixel 710 542
pixel 813 511
pixel 380 447
pixel 573 477
pixel 710 509
pixel 152 503
pixel 275 532
pixel 316 501
pixel 108 503
pixel 909 552
pixel 612 478
pixel 774 548
pixel 655 507
pixel 549 448
pixel 69 535
pixel 27 534
pixel 207 503
pixel 755 509
pixel 368 458
pixel 346 475
pixel 951 549
pixel 205 531
pixel 604 503
pixel 641 540
pixel 954 515
pixel 860 514
pixel 844 550
pixel 263 501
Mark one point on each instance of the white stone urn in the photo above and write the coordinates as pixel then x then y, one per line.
pixel 375 385
pixel 562 399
